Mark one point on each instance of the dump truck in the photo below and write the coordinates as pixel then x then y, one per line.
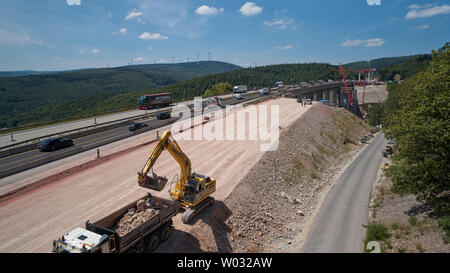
pixel 102 236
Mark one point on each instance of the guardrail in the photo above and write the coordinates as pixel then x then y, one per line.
pixel 73 132
pixel 53 157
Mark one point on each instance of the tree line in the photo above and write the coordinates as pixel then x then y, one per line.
pixel 416 114
pixel 57 101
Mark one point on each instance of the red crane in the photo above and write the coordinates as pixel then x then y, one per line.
pixel 350 96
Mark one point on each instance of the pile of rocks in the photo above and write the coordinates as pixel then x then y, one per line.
pixel 136 216
pixel 272 203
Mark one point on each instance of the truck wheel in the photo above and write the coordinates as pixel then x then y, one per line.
pixel 166 232
pixel 153 243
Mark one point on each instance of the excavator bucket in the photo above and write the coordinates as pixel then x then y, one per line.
pixel 153 182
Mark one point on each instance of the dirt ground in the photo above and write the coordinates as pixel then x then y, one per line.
pixel 30 222
pixel 271 206
pixel 410 224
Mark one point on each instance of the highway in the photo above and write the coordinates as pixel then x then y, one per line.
pixel 339 224
pixel 33 158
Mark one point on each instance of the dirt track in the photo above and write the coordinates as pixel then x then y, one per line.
pixel 30 223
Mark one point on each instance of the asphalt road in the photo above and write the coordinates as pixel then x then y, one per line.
pixel 339 226
pixel 99 138
pixel 93 140
pixel 5 139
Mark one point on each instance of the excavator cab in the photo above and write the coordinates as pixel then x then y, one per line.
pixel 191 191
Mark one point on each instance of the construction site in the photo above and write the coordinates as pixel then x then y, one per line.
pixel 205 195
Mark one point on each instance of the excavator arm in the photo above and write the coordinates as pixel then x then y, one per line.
pixel 166 142
pixel 192 190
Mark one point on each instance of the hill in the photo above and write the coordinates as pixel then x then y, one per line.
pixel 24 73
pixel 259 76
pixel 23 95
pixel 382 62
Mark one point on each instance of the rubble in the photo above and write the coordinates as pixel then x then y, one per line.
pixel 134 217
pixel 272 221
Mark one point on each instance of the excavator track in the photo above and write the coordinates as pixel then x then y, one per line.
pixel 193 211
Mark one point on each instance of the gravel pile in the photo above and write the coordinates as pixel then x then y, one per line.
pixel 280 192
pixel 136 216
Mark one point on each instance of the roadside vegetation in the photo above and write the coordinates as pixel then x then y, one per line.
pixel 379 233
pixel 416 116
pixel 218 89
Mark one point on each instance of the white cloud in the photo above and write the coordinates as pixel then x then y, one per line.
pixel 150 48
pixel 423 26
pixel 80 51
pixel 16 38
pixel 122 31
pixel 133 14
pixel 95 51
pixel 429 10
pixel 207 10
pixel 352 42
pixel 152 36
pixel 73 2
pixel 279 23
pixel 375 42
pixel 249 9
pixel 369 42
pixel 140 59
pixel 284 47
pixel 56 58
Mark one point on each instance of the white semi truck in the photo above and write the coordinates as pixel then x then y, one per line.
pixel 240 89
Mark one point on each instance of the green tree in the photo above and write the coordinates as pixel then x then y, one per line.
pixel 417 116
pixel 218 89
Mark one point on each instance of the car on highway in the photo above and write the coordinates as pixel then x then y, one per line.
pixel 54 143
pixel 163 115
pixel 264 91
pixel 239 96
pixel 137 125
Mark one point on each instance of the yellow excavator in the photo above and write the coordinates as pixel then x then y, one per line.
pixel 192 190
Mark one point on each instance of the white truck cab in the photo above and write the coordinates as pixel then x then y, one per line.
pixel 80 240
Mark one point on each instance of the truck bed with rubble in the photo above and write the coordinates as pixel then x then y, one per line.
pixel 137 227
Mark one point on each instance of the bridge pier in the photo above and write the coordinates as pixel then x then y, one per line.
pixel 332 102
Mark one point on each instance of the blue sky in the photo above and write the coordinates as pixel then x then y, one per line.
pixel 72 34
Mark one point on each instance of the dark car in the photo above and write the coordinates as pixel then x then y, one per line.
pixel 163 115
pixel 137 125
pixel 55 143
